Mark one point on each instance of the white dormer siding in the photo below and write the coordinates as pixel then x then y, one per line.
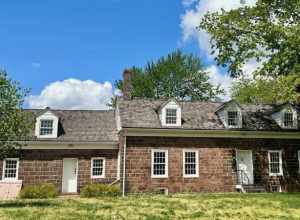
pixel 46 125
pixel 170 114
pixel 286 118
pixel 231 116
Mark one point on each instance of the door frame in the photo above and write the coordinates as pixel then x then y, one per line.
pixel 237 162
pixel 62 178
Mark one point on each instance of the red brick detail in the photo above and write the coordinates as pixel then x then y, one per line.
pixel 46 166
pixel 216 163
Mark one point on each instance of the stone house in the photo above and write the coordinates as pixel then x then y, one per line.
pixel 163 145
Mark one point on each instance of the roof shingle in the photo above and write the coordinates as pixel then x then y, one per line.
pixel 82 125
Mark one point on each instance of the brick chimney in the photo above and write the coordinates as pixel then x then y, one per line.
pixel 298 91
pixel 127 85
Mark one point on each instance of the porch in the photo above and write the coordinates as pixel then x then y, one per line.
pixel 258 171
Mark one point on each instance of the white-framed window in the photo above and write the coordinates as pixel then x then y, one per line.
pixel 288 119
pixel 46 127
pixel 275 163
pixel 159 163
pixel 97 167
pixel 190 163
pixel 10 169
pixel 232 119
pixel 171 116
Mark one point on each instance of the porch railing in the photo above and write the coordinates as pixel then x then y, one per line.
pixel 242 178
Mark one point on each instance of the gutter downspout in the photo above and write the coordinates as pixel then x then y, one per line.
pixel 124 167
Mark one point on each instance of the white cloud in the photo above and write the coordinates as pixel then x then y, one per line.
pixel 188 3
pixel 191 18
pixel 218 78
pixel 73 94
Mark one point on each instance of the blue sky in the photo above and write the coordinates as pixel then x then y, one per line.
pixel 54 46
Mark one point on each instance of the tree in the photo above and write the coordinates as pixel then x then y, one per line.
pixel 273 90
pixel 268 32
pixel 177 75
pixel 14 123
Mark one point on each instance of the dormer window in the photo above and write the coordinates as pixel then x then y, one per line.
pixel 46 127
pixel 288 119
pixel 171 116
pixel 230 113
pixel 232 118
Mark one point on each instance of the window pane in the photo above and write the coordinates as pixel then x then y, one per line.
pixel 275 162
pixel 190 167
pixel 46 127
pixel 232 118
pixel 171 116
pixel 288 119
pixel 159 163
pixel 97 167
pixel 10 169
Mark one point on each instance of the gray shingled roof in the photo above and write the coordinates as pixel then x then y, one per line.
pixel 143 113
pixel 82 125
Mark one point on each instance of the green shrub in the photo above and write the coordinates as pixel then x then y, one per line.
pixel 40 191
pixel 97 190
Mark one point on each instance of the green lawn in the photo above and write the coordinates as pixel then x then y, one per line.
pixel 179 206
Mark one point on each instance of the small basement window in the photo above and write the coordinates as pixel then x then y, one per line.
pixel 275 163
pixel 171 116
pixel 275 188
pixel 232 117
pixel 98 167
pixel 46 127
pixel 288 120
pixel 10 169
pixel 159 164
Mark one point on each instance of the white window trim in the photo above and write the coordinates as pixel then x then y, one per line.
pixel 171 105
pixel 46 116
pixel 103 172
pixel 295 119
pixel 166 164
pixel 171 124
pixel 17 171
pixel 197 163
pixel 239 118
pixel 280 163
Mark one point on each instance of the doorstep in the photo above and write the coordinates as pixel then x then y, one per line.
pixel 68 195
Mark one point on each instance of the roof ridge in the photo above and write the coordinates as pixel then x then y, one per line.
pixel 164 100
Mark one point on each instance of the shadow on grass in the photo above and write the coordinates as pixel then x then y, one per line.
pixel 20 204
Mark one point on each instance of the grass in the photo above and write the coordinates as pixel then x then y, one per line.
pixel 154 207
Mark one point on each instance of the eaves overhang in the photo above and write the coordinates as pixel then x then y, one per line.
pixel 60 145
pixel 153 132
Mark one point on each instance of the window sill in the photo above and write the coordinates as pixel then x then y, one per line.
pixel 275 174
pixel 46 137
pixel 190 177
pixel 10 181
pixel 159 177
pixel 97 177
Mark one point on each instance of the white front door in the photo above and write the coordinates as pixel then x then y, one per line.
pixel 245 166
pixel 69 181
